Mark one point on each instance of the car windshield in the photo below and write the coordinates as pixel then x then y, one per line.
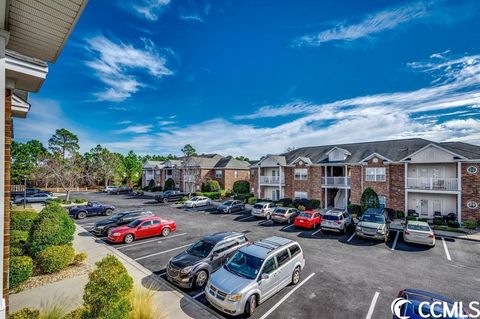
pixel 201 249
pixel 373 218
pixel 117 216
pixel 135 223
pixel 280 211
pixel 244 265
pixel 227 203
pixel 418 227
pixel 306 215
pixel 194 199
pixel 331 217
pixel 258 206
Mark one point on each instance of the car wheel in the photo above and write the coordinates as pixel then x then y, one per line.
pixel 165 200
pixel 165 232
pixel 229 211
pixel 81 215
pixel 128 238
pixel 108 212
pixel 289 221
pixel 201 278
pixel 296 276
pixel 251 305
pixel 194 206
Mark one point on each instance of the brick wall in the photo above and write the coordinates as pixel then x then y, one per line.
pixel 254 180
pixel 396 198
pixel 229 177
pixel 312 185
pixel 470 191
pixel 356 184
pixel 6 242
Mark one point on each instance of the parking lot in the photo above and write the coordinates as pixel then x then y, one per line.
pixel 344 277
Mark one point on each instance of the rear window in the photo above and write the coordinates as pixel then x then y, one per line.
pixel 281 211
pixel 418 227
pixel 294 250
pixel 306 215
pixel 331 217
pixel 258 206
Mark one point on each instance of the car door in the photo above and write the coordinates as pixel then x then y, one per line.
pixel 144 229
pixel 217 256
pixel 128 218
pixel 268 285
pixel 284 265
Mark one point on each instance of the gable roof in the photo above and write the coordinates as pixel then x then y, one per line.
pixel 232 163
pixel 152 164
pixel 205 160
pixel 280 159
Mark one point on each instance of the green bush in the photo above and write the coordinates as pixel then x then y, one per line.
pixel 242 197
pixel 106 294
pixel 21 268
pixel 53 227
pixel 301 208
pixel 252 200
pixel 369 199
pixel 80 258
pixel 423 220
pixel 438 221
pixel 25 313
pixel 75 314
pixel 470 224
pixel 211 186
pixel 453 224
pixel 400 214
pixel 411 218
pixel 355 209
pixel 226 193
pixel 55 258
pixel 285 202
pixel 241 187
pixel 169 184
pixel 316 203
pixel 17 251
pixel 18 240
pixel 80 200
pixel 212 195
pixel 22 219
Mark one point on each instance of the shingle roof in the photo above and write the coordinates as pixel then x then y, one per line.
pixel 149 163
pixel 206 160
pixel 231 162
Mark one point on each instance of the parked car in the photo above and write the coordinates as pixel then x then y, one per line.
pixel 284 215
pixel 90 209
pixel 415 297
pixel 231 206
pixel 198 201
pixel 262 209
pixel 308 219
pixel 336 220
pixel 193 267
pixel 142 228
pixel 170 196
pixel 29 192
pixel 34 198
pixel 255 273
pixel 120 190
pixel 419 233
pixel 374 224
pixel 110 188
pixel 102 227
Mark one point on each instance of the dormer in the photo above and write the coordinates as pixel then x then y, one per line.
pixel 433 153
pixel 337 154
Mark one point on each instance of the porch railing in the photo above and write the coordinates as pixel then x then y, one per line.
pixel 431 183
pixel 272 180
pixel 336 181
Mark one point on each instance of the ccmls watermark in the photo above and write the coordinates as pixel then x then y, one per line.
pixel 437 309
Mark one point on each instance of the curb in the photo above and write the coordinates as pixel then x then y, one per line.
pixel 458 237
pixel 160 280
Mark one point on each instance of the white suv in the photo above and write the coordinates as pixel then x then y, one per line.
pixel 263 210
pixel 336 220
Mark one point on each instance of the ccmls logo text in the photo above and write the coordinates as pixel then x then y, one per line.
pixel 437 309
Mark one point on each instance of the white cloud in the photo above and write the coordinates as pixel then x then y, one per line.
pixel 192 18
pixel 150 9
pixel 165 122
pixel 119 65
pixel 124 122
pixel 138 129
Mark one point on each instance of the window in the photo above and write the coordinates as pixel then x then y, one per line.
pixel 156 222
pixel 472 204
pixel 235 174
pixel 147 224
pixel 301 173
pixel 283 257
pixel 301 195
pixel 472 169
pixel 269 267
pixel 294 250
pixel 375 174
pixel 382 200
pixel 218 173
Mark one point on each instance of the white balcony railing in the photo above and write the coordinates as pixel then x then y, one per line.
pixel 272 180
pixel 189 178
pixel 168 177
pixel 431 183
pixel 336 181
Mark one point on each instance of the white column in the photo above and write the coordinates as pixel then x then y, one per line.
pixel 346 198
pixel 258 183
pixel 405 190
pixel 459 195
pixel 3 42
pixel 280 181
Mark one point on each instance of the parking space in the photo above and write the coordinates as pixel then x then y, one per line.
pixel 344 277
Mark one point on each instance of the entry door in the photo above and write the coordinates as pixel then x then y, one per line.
pixel 437 205
pixel 275 194
pixel 424 207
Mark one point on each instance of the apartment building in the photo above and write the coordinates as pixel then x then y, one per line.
pixel 189 173
pixel 410 174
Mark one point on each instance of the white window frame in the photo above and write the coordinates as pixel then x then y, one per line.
pixel 472 169
pixel 301 195
pixel 375 174
pixel 218 173
pixel 301 174
pixel 472 204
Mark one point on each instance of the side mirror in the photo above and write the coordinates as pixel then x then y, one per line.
pixel 265 276
pixel 214 255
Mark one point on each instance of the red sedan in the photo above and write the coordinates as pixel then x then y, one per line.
pixel 142 228
pixel 308 219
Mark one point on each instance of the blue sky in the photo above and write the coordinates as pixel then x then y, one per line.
pixel 254 77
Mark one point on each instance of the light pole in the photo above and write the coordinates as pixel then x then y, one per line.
pixel 24 192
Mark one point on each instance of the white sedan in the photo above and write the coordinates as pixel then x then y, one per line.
pixel 418 233
pixel 198 201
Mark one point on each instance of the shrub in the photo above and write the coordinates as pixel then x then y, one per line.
pixel 369 199
pixel 285 202
pixel 157 189
pixel 316 203
pixel 411 218
pixel 226 193
pixel 25 313
pixel 211 186
pixel 18 240
pixel 151 185
pixel 55 258
pixel 252 200
pixel 53 227
pixel 400 214
pixel 22 219
pixel 80 200
pixel 453 224
pixel 21 268
pixel 438 221
pixel 54 311
pixel 143 306
pixel 307 204
pixel 355 209
pixel 17 251
pixel 423 219
pixel 75 314
pixel 169 184
pixel 470 224
pixel 241 187
pixel 242 197
pixel 106 294
pixel 80 258
pixel 212 195
pixel 301 208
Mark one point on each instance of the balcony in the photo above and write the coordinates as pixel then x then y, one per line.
pixel 272 180
pixel 431 183
pixel 338 181
pixel 189 178
pixel 168 177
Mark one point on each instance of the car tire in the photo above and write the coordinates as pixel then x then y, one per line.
pixel 269 216
pixel 201 278
pixel 108 212
pixel 81 215
pixel 251 305
pixel 296 276
pixel 194 206
pixel 165 201
pixel 128 239
pixel 289 221
pixel 229 211
pixel 166 231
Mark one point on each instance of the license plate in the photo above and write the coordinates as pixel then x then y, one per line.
pixel 302 221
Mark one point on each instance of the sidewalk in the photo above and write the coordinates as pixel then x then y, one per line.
pixel 171 303
pixel 447 234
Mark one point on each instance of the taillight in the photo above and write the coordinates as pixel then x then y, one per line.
pixel 407 233
pixel 431 236
pixel 338 222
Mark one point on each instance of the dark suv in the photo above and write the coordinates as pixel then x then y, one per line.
pixel 102 227
pixel 170 196
pixel 193 267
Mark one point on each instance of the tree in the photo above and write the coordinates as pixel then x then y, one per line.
pixel 188 151
pixel 369 199
pixel 104 164
pixel 169 185
pixel 241 187
pixel 63 141
pixel 133 168
pixel 25 157
pixel 242 158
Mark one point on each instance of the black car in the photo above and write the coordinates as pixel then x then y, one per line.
pixel 193 267
pixel 231 206
pixel 120 190
pixel 170 196
pixel 102 227
pixel 90 209
pixel 29 192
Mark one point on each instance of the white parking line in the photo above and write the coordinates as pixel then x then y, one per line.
pixel 264 222
pixel 286 296
pixel 163 252
pixel 372 305
pixel 285 228
pixel 151 240
pixel 316 232
pixel 351 237
pixel 446 249
pixel 198 295
pixel 395 241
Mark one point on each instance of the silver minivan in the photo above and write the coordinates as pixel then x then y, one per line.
pixel 255 273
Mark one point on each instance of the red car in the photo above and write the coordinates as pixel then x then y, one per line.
pixel 142 228
pixel 308 219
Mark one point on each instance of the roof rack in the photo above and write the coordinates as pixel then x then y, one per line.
pixel 270 244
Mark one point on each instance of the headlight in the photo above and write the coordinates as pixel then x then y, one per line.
pixel 381 231
pixel 186 270
pixel 116 234
pixel 359 228
pixel 236 297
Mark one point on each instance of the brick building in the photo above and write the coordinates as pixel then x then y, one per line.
pixel 411 174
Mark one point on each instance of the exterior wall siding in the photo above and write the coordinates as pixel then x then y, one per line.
pixel 470 191
pixel 6 236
